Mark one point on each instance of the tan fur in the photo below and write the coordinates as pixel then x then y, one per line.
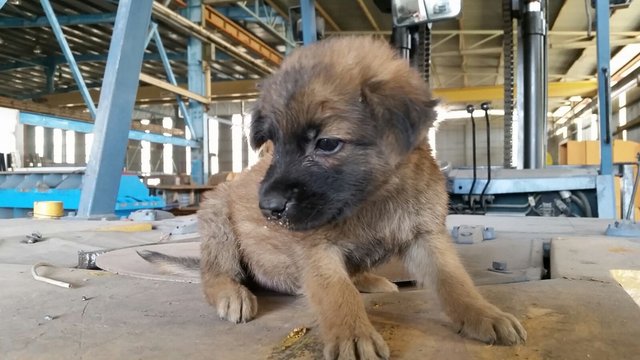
pixel 405 215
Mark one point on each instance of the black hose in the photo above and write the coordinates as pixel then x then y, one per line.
pixel 585 201
pixel 470 110
pixel 485 107
pixel 579 202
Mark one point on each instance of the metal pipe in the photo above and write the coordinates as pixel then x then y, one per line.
pixel 402 40
pixel 534 33
pixel 470 110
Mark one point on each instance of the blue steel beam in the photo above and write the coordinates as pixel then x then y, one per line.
pixel 66 50
pixel 152 29
pixel 196 83
pixel 2 2
pixel 84 19
pixel 308 10
pixel 55 122
pixel 117 98
pixel 606 190
pixel 238 14
pixel 170 76
pixel 604 94
pixel 59 59
pixel 266 26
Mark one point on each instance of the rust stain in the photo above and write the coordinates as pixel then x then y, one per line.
pixel 619 250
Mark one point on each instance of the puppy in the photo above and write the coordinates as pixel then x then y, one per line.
pixel 349 183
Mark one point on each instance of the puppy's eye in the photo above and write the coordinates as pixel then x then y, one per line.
pixel 328 145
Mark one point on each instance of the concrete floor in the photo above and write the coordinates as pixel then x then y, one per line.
pixel 583 313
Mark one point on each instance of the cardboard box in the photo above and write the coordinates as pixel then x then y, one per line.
pixel 571 152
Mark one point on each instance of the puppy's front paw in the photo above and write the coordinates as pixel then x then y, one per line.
pixel 370 283
pixel 489 324
pixel 233 303
pixel 364 344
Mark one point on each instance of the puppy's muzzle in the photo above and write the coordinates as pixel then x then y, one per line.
pixel 273 205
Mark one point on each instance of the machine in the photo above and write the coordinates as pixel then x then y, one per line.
pixel 21 188
pixel 524 185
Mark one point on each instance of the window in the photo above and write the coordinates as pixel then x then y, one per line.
pixel 236 142
pixel 145 157
pixel 57 146
pixel 214 138
pixel 167 149
pixel 88 143
pixel 70 143
pixel 39 139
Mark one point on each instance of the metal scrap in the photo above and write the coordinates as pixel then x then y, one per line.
pixel 36 276
pixel 33 238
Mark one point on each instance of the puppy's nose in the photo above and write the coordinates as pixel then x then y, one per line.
pixel 273 205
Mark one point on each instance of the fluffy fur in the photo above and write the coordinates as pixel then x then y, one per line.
pixel 309 221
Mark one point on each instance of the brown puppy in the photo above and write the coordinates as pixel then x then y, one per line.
pixel 351 182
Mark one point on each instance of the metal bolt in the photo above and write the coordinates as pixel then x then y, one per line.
pixel 499 265
pixel 84 298
pixel 48 317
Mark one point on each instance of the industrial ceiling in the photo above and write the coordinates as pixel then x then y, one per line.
pixel 250 40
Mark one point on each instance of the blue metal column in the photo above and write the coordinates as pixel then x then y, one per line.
pixel 308 9
pixel 66 50
pixel 196 82
pixel 605 187
pixel 170 76
pixel 117 98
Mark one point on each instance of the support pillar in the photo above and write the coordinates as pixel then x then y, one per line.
pixel 308 10
pixel 196 80
pixel 606 196
pixel 113 120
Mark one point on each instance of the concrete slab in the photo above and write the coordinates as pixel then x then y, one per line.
pixel 593 257
pixel 127 317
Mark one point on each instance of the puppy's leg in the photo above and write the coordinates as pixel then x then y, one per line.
pixel 369 283
pixel 433 258
pixel 220 266
pixel 344 324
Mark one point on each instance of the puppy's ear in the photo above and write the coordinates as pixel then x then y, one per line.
pixel 404 108
pixel 259 131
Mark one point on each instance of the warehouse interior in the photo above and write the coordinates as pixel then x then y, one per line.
pixel 117 116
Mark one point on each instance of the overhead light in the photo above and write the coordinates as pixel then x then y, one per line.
pixel 575 98
pixel 37 50
pixel 145 122
pixel 15 2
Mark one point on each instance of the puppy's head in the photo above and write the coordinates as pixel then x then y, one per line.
pixel 341 115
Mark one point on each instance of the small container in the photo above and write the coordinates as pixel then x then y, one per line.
pixel 48 209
